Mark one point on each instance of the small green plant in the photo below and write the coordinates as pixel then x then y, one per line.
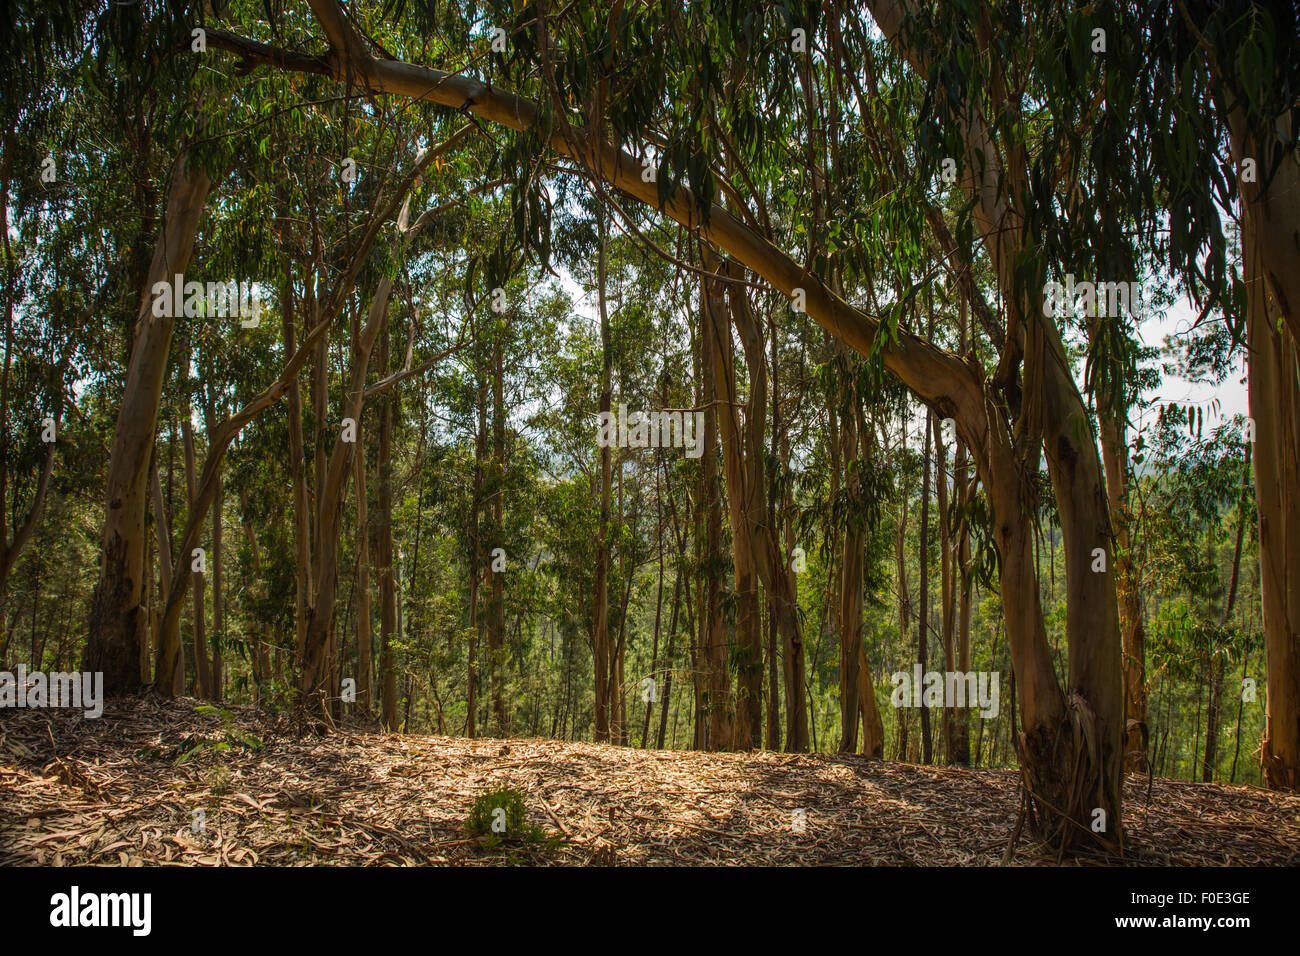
pixel 498 817
pixel 231 736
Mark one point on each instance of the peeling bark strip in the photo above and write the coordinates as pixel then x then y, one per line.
pixel 118 620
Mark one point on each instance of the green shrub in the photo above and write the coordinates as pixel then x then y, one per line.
pixel 499 817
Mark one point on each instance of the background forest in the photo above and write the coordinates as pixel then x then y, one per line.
pixel 825 226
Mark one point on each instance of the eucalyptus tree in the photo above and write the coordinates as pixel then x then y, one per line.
pixel 683 188
pixel 1218 84
pixel 118 622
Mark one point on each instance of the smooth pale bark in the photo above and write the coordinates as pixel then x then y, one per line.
pixel 320 616
pixel 904 593
pixel 218 594
pixel 297 471
pixel 496 617
pixel 858 693
pixel 649 698
pixel 713 632
pixel 1275 408
pixel 117 618
pixel 162 529
pixel 742 476
pixel 362 584
pixel 202 663
pixel 947 595
pixel 923 585
pixel 1270 245
pixel 1072 744
pixel 964 492
pixel 600 599
pixel 1095 689
pixel 384 550
pixel 846 599
pixel 768 556
pixel 152 614
pixel 779 510
pixel 476 562
pixel 1114 454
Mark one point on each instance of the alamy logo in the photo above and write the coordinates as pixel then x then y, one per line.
pixel 947 689
pixel 102 909
pixel 1088 298
pixel 666 429
pixel 212 299
pixel 82 691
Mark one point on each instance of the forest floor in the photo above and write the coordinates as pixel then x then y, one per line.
pixel 115 790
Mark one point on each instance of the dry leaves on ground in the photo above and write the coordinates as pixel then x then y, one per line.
pixel 114 791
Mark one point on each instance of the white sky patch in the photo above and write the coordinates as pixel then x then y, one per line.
pixel 1231 393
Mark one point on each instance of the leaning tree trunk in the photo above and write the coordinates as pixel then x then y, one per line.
pixel 117 618
pixel 953 387
pixel 1071 747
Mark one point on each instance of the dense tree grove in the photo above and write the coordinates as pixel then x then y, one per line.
pixel 673 375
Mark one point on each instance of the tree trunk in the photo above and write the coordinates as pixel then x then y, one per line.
pixel 947 594
pixel 858 694
pixel 769 554
pixel 1072 745
pixel 900 564
pixel 117 621
pixel 600 602
pixel 740 478
pixel 923 617
pixel 202 664
pixel 384 548
pixel 963 493
pixel 713 631
pixel 496 618
pixel 173 683
pixel 1275 408
pixel 317 662
pixel 362 585
pixel 218 595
